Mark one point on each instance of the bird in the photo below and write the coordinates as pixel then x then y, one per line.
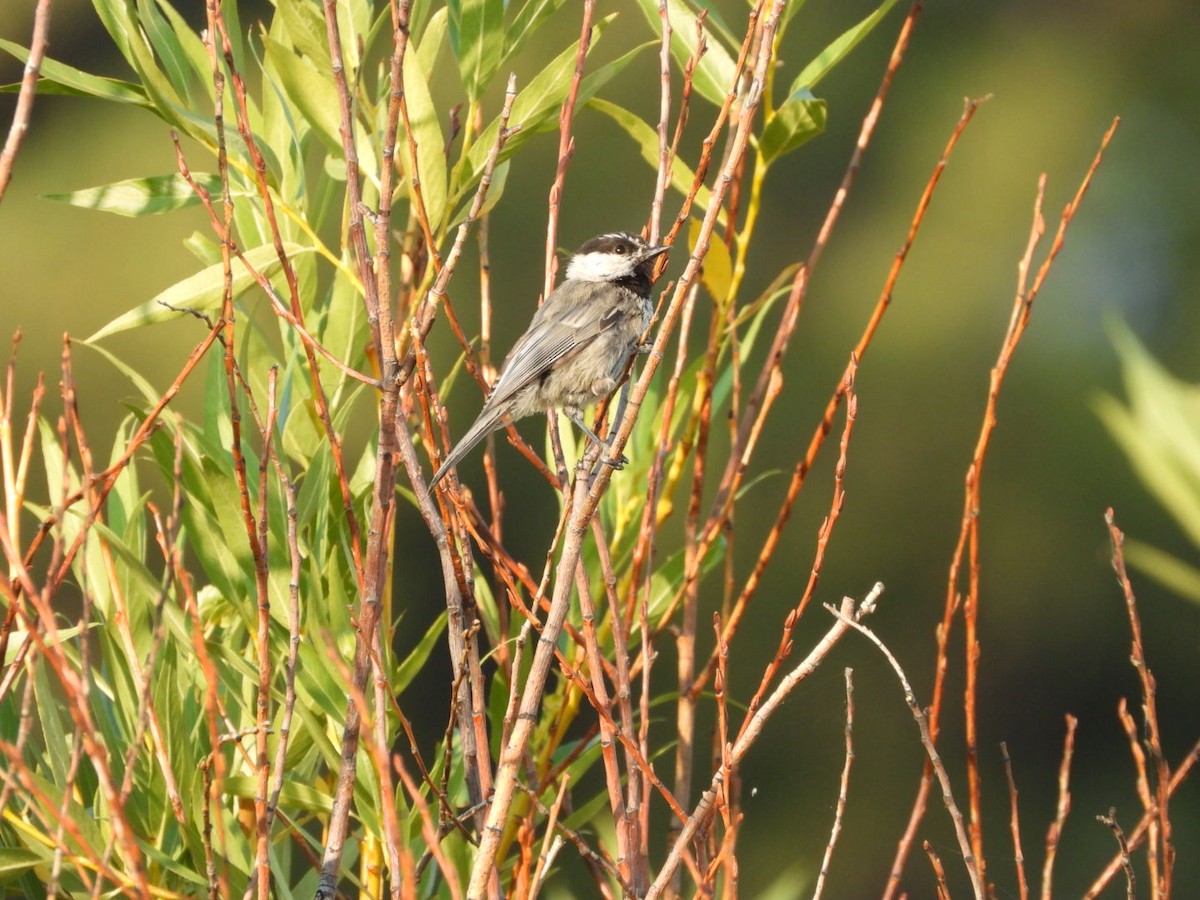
pixel 576 348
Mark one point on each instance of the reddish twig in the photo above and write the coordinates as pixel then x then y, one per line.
pixel 1014 824
pixel 968 532
pixel 1160 851
pixel 843 789
pixel 38 42
pixel 1134 839
pixel 1064 806
pixel 935 761
pixel 848 613
pixel 1122 851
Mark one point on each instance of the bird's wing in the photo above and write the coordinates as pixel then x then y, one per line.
pixel 568 320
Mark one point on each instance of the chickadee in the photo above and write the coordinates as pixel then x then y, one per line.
pixel 579 342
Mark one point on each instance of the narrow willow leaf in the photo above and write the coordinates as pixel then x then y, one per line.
pixel 15 861
pixel 166 46
pixel 837 51
pixel 801 118
pixel 1159 430
pixel 432 39
pixel 293 794
pixel 717 273
pixel 128 34
pixel 141 196
pixel 1167 569
pixel 646 139
pixel 203 291
pixel 305 28
pixel 495 192
pixel 193 49
pixel 415 661
pixel 713 75
pixel 427 132
pixel 314 95
pixel 311 92
pixel 1156 469
pixel 537 106
pixel 18 637
pixel 477 38
pixel 69 80
pixel 179 869
pixel 527 21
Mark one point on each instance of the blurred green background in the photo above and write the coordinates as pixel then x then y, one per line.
pixel 1054 631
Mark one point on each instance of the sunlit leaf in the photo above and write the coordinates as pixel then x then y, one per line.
pixel 203 291
pixel 836 51
pixel 427 133
pixel 801 118
pixel 713 75
pixel 432 40
pixel 495 192
pixel 141 196
pixel 537 106
pixel 526 22
pixel 305 27
pixel 1159 431
pixel 15 861
pixel 477 38
pixel 1169 570
pixel 646 139
pixel 69 80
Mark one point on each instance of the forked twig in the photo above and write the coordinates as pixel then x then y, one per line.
pixel 935 760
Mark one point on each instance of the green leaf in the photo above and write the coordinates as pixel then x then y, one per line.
pixel 141 196
pixel 166 45
pixel 1168 570
pixel 538 104
pixel 1159 431
pixel 836 51
pixel 527 21
pixel 713 76
pixel 799 120
pixel 305 27
pixel 120 21
pixel 432 39
pixel 415 661
pixel 495 192
pixel 311 92
pixel 203 291
pixel 314 95
pixel 69 80
pixel 15 861
pixel 646 139
pixel 427 132
pixel 292 794
pixel 477 38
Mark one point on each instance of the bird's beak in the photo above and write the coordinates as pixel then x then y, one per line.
pixel 652 252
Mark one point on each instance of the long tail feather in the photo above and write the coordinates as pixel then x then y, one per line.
pixel 489 420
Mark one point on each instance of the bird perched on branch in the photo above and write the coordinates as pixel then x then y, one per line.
pixel 575 350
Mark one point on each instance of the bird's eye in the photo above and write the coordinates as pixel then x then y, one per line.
pixel 621 248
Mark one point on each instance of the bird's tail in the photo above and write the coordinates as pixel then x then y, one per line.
pixel 489 420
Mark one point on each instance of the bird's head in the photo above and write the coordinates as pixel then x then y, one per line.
pixel 614 257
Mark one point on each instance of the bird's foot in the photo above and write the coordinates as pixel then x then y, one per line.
pixel 617 464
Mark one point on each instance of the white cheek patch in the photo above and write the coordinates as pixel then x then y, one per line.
pixel 599 267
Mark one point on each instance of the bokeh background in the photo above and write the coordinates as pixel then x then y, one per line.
pixel 1054 631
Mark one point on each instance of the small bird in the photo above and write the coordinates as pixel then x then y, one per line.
pixel 576 348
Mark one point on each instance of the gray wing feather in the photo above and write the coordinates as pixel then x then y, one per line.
pixel 568 320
